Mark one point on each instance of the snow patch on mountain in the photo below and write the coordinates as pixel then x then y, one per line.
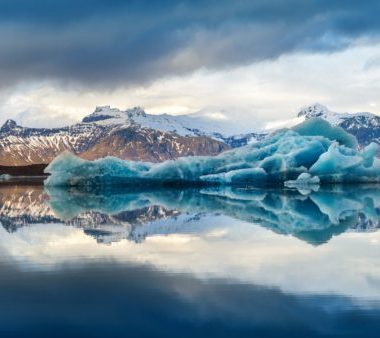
pixel 334 118
pixel 211 125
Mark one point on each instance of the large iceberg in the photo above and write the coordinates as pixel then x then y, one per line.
pixel 314 148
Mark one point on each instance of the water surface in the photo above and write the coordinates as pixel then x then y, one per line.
pixel 184 263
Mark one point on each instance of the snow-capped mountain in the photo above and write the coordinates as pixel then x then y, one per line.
pixel 184 125
pixel 129 134
pixel 134 134
pixel 364 126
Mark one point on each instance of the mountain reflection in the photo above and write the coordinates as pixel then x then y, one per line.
pixel 314 216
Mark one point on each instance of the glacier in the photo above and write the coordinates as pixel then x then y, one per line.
pixel 322 151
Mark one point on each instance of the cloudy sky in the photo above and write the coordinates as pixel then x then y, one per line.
pixel 253 60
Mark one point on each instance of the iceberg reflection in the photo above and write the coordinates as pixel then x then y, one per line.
pixel 259 237
pixel 314 218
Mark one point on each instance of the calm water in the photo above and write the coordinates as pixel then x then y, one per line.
pixel 186 263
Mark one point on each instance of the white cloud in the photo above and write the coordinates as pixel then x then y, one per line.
pixel 269 90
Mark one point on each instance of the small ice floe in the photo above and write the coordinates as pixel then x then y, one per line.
pixel 305 179
pixel 305 183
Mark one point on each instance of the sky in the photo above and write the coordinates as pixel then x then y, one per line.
pixel 250 60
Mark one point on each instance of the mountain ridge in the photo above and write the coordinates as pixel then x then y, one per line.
pixel 21 146
pixel 135 135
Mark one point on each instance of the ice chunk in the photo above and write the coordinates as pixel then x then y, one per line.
pixel 320 127
pixel 241 176
pixel 369 154
pixel 336 160
pixel 70 170
pixel 303 180
pixel 314 148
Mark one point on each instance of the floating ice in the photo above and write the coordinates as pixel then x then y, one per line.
pixel 304 180
pixel 313 147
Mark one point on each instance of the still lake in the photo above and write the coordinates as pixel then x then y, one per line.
pixel 189 263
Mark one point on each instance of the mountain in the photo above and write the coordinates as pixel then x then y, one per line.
pixel 183 125
pixel 129 134
pixel 135 135
pixel 364 126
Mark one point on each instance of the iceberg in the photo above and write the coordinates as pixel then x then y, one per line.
pixel 311 151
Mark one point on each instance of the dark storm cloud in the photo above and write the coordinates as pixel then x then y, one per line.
pixel 104 43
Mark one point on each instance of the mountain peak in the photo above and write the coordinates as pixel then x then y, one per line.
pixel 314 110
pixel 136 111
pixel 102 113
pixel 8 125
pixel 106 109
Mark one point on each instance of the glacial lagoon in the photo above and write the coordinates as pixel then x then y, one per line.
pixel 207 262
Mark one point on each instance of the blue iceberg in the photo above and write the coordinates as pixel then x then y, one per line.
pixel 313 149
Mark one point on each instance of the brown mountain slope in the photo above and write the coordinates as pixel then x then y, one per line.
pixel 20 146
pixel 152 145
